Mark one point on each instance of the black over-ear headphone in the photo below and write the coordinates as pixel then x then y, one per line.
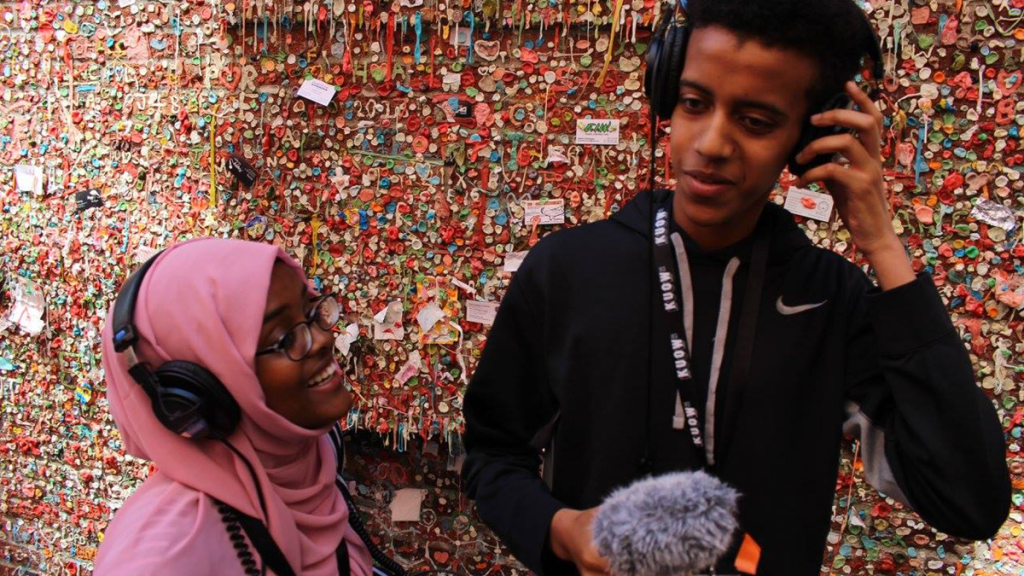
pixel 666 55
pixel 187 398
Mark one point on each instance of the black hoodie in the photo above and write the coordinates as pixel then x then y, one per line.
pixel 575 350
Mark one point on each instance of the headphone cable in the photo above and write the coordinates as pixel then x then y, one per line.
pixel 654 146
pixel 437 571
pixel 388 564
pixel 255 480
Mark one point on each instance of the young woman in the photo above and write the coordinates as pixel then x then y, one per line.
pixel 241 314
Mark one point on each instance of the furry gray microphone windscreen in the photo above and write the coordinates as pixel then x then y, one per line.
pixel 678 524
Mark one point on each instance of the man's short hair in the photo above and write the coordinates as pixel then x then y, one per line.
pixel 834 33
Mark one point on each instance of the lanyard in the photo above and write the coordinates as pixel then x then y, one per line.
pixel 671 307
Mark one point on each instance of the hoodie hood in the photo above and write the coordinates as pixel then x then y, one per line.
pixel 787 237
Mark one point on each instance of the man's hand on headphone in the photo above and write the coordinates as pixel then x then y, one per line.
pixel 858 188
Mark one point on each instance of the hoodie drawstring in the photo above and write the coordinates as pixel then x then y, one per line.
pixel 721 335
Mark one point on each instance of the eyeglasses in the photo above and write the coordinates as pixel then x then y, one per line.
pixel 298 341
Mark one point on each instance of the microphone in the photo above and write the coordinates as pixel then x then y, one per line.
pixel 672 525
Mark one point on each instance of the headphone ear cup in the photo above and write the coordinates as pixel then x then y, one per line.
pixel 809 133
pixel 665 57
pixel 194 403
pixel 651 58
pixel 673 57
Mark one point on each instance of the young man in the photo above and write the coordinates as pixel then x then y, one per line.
pixel 785 355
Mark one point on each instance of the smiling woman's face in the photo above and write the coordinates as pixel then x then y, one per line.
pixel 289 385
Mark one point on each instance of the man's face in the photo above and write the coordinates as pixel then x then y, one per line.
pixel 741 108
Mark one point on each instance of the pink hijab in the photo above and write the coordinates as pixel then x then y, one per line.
pixel 203 301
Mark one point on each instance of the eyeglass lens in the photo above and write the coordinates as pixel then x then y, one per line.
pixel 299 341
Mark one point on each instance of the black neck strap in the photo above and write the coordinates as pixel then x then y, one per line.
pixel 669 303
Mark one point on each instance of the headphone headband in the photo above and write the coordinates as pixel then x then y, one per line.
pixel 125 333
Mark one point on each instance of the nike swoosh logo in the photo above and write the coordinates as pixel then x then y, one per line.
pixel 790 310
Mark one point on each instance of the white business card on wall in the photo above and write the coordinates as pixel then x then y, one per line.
pixel 809 204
